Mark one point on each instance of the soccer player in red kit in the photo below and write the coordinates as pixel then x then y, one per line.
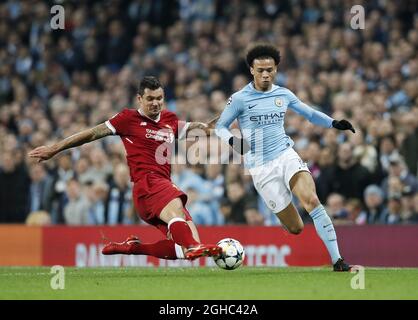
pixel 148 134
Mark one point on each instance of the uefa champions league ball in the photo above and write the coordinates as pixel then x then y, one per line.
pixel 232 255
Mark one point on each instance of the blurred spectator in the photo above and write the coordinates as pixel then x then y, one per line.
pixel 326 164
pixel 253 217
pixel 392 214
pixel 347 177
pixel 215 180
pixel 40 189
pixel 414 216
pixel 119 207
pixel 387 148
pixel 409 147
pixel 199 210
pixel 312 155
pixel 100 168
pixel 97 195
pixel 336 207
pixel 399 180
pixel 81 168
pixel 237 200
pixel 38 219
pixel 118 46
pixel 186 178
pixel 356 215
pixel 225 208
pixel 407 203
pixel 76 211
pixel 14 190
pixel 374 204
pixel 62 174
pixel 366 154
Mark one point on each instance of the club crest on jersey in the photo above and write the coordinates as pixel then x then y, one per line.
pixel 278 102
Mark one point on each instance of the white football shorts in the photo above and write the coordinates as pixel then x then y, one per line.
pixel 271 180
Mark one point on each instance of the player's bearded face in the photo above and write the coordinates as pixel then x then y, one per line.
pixel 264 71
pixel 151 102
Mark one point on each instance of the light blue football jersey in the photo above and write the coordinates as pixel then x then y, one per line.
pixel 261 120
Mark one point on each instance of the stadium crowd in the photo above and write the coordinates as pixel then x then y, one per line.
pixel 54 83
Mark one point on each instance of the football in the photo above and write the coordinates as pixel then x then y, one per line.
pixel 232 255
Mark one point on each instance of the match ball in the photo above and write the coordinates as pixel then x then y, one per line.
pixel 232 255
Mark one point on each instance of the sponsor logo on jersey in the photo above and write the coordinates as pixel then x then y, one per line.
pixel 229 101
pixel 268 118
pixel 160 135
pixel 143 123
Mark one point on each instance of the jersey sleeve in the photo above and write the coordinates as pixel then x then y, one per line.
pixel 316 117
pixel 179 126
pixel 119 123
pixel 232 110
pixel 181 129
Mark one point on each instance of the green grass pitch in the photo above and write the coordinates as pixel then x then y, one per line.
pixel 207 283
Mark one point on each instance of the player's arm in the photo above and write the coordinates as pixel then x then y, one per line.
pixel 78 139
pixel 201 128
pixel 318 118
pixel 231 112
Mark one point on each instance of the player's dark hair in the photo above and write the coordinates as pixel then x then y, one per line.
pixel 262 51
pixel 149 82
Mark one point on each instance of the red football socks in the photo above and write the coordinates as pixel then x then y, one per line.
pixel 181 233
pixel 164 249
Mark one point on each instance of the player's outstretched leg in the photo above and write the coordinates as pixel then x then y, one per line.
pixel 164 249
pixel 183 236
pixel 174 215
pixel 325 229
pixel 303 187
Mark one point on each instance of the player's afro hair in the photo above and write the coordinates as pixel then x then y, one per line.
pixel 262 50
pixel 149 82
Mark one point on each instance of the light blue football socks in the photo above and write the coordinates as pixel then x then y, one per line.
pixel 325 230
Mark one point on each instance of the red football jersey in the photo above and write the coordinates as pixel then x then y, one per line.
pixel 148 143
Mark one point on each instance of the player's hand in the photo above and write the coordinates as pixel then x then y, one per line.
pixel 211 124
pixel 343 125
pixel 206 127
pixel 239 145
pixel 42 153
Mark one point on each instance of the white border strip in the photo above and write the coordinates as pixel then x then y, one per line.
pixel 175 220
pixel 182 133
pixel 179 251
pixel 109 125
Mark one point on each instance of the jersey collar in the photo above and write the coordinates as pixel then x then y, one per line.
pixel 142 114
pixel 273 87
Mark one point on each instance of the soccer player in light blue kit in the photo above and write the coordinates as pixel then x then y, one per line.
pixel 276 169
